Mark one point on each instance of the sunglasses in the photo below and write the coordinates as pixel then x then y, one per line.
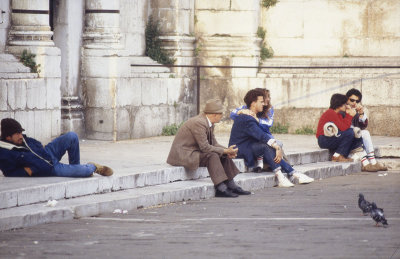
pixel 353 100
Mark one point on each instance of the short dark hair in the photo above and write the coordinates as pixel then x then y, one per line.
pixel 252 96
pixel 337 100
pixel 355 92
pixel 267 107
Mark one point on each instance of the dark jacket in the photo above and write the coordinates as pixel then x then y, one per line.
pixel 245 132
pixel 14 158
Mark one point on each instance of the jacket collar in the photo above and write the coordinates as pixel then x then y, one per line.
pixel 10 146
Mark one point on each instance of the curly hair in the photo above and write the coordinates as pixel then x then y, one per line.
pixel 264 113
pixel 252 96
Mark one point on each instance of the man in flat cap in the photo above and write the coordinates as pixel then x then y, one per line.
pixel 23 156
pixel 195 145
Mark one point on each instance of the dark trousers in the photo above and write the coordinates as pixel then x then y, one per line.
pixel 343 144
pixel 219 168
pixel 268 153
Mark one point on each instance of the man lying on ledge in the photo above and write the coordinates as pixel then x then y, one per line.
pixel 23 156
pixel 195 145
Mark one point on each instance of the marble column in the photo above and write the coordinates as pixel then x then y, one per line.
pixel 104 64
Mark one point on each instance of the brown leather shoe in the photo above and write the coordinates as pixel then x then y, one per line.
pixel 369 168
pixel 381 167
pixel 341 158
pixel 102 169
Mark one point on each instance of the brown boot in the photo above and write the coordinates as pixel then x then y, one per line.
pixel 369 168
pixel 102 169
pixel 341 158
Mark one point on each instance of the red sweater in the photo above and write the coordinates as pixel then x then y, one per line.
pixel 331 116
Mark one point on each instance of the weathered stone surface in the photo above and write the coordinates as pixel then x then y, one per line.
pixel 99 123
pixel 129 92
pixel 148 122
pixel 100 92
pixel 3 95
pixel 174 88
pixel 53 93
pixel 154 92
pixel 212 5
pixel 331 28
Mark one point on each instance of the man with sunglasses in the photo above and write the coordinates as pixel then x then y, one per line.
pixel 360 120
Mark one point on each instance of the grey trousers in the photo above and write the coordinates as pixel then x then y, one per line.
pixel 219 168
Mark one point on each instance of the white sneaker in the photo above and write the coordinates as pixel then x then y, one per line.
pixel 300 178
pixel 282 181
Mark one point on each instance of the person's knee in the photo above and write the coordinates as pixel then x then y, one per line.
pixel 349 133
pixel 72 136
pixel 365 134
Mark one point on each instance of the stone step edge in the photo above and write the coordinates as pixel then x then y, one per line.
pixel 98 184
pixel 88 206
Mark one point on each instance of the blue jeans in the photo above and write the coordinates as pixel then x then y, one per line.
pixel 68 142
pixel 343 144
pixel 268 153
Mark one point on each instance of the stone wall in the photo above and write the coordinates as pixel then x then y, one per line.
pixel 333 28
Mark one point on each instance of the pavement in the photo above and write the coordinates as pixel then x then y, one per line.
pixel 142 179
pixel 319 220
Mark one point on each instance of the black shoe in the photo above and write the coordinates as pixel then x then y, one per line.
pixel 226 193
pixel 257 169
pixel 240 191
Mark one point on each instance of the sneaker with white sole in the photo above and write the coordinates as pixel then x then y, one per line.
pixel 300 178
pixel 282 181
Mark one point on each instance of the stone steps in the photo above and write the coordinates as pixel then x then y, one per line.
pixel 150 71
pixel 70 187
pixel 130 199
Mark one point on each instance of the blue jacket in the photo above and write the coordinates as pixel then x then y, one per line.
pixel 245 132
pixel 14 158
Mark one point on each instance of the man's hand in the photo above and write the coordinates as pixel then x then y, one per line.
pixel 279 155
pixel 246 111
pixel 360 109
pixel 350 111
pixel 28 171
pixel 231 151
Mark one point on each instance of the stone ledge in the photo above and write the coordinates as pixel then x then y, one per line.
pixel 93 205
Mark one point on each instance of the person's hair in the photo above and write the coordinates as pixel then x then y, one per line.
pixel 337 100
pixel 355 92
pixel 264 113
pixel 252 96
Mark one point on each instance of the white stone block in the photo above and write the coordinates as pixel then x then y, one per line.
pixel 248 5
pixel 53 93
pixel 106 66
pixel 33 94
pixel 224 22
pixel 100 92
pixel 148 121
pixel 55 123
pixel 99 123
pixel 27 121
pixel 11 100
pixel 129 92
pixel 50 66
pixel 212 4
pixel 43 126
pixel 174 88
pixel 20 94
pixel 123 124
pixel 153 92
pixel 384 91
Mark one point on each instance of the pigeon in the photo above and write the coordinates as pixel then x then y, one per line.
pixel 364 205
pixel 377 215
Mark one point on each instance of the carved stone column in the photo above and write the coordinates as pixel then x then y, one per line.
pixel 104 63
pixel 30 23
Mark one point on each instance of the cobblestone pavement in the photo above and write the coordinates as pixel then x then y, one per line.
pixel 319 220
